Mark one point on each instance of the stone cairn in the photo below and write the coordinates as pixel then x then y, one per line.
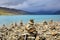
pixel 31 31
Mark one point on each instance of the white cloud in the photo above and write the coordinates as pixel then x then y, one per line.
pixel 35 5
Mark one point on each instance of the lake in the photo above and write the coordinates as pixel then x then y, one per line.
pixel 25 18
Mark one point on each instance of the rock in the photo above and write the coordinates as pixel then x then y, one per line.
pixel 37 38
pixel 35 31
pixel 21 23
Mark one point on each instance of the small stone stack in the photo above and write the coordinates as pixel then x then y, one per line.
pixel 31 31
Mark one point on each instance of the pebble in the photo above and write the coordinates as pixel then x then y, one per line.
pixel 45 33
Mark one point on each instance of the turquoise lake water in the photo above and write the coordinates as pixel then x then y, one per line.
pixel 26 18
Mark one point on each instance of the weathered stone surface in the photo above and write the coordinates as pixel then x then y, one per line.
pixel 48 31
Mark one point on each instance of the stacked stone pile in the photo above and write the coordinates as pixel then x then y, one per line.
pixel 45 31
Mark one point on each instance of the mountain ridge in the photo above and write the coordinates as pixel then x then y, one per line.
pixel 47 13
pixel 6 11
pixel 10 11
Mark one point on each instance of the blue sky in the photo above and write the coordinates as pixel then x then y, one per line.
pixel 32 5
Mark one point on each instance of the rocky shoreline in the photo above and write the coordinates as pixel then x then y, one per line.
pixel 46 31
